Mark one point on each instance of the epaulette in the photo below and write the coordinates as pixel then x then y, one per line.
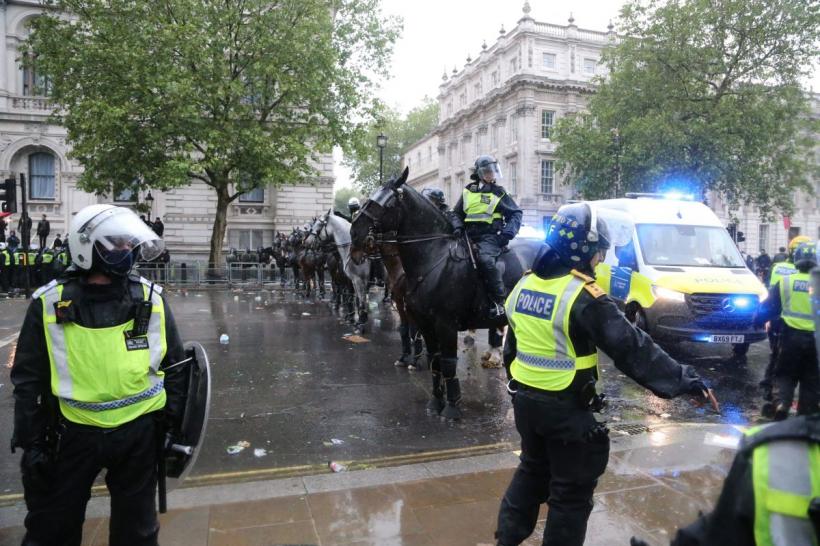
pixel 146 282
pixel 799 428
pixel 589 285
pixel 47 287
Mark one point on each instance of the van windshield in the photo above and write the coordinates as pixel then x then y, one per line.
pixel 689 246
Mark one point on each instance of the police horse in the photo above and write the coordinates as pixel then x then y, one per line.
pixel 332 228
pixel 444 293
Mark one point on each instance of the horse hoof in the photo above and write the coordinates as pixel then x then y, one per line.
pixel 451 412
pixel 435 405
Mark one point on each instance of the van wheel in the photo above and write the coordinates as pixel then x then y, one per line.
pixel 640 320
pixel 740 349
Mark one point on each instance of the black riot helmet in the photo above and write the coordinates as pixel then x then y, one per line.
pixel 435 195
pixel 576 233
pixel 486 169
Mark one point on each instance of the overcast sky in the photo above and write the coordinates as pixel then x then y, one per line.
pixel 439 34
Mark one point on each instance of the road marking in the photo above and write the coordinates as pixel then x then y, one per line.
pixel 6 341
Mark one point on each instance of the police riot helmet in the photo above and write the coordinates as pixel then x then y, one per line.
pixel 34 247
pixel 796 242
pixel 3 246
pixel 806 255
pixel 435 195
pixel 353 204
pixel 110 239
pixel 576 233
pixel 486 167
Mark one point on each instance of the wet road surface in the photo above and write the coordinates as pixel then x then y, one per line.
pixel 288 383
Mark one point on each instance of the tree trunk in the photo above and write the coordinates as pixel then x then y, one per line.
pixel 218 231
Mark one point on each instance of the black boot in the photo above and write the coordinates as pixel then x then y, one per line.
pixel 452 412
pixel 436 403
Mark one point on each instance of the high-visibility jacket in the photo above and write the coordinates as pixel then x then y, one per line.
pixel 19 258
pixel 538 311
pixel 47 257
pixel 5 258
pixel 780 270
pixel 103 376
pixel 32 258
pixel 795 302
pixel 785 479
pixel 480 206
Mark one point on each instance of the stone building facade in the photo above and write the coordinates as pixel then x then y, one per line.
pixel 30 144
pixel 505 102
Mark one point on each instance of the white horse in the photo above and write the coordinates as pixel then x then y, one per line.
pixel 330 227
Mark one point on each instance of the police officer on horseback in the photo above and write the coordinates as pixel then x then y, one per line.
pixel 558 318
pixel 491 219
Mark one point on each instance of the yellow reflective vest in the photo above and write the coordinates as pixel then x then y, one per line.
pixel 795 302
pixel 780 270
pixel 5 258
pixel 785 479
pixel 103 376
pixel 480 206
pixel 538 311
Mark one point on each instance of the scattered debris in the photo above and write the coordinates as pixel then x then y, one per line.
pixel 233 450
pixel 336 467
pixel 243 443
pixel 259 452
pixel 353 338
pixel 336 441
pixel 665 415
pixel 224 339
pixel 305 314
pixel 721 440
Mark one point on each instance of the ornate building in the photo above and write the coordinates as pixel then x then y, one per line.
pixel 505 102
pixel 30 145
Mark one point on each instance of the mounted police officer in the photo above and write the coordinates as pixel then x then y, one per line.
pixel 90 387
pixel 796 361
pixel 353 206
pixel 772 493
pixel 558 319
pixel 491 219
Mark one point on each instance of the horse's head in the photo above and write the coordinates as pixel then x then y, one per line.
pixel 380 214
pixel 318 233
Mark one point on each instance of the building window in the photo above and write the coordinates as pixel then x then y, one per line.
pixel 429 153
pixel 249 238
pixel 549 61
pixel 495 78
pixel 418 158
pixel 513 129
pixel 41 173
pixel 256 195
pixel 125 195
pixel 34 83
pixel 463 99
pixel 477 90
pixel 547 119
pixel 494 138
pixel 589 66
pixel 763 236
pixel 448 189
pixel 449 108
pixel 513 65
pixel 513 178
pixel 477 150
pixel 547 176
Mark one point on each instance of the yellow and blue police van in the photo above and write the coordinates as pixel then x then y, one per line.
pixel 677 272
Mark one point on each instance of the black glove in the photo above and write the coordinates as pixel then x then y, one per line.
pixel 458 233
pixel 37 467
pixel 503 239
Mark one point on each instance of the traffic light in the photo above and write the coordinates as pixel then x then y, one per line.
pixel 737 236
pixel 8 195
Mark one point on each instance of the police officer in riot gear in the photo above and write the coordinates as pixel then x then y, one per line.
pixel 796 360
pixel 491 219
pixel 353 205
pixel 74 414
pixel 558 319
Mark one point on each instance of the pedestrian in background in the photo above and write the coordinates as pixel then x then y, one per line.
pixel 43 229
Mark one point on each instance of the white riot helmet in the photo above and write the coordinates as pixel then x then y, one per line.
pixel 34 247
pixel 353 203
pixel 3 246
pixel 112 235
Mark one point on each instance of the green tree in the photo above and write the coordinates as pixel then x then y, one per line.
pixel 342 196
pixel 401 132
pixel 704 92
pixel 237 95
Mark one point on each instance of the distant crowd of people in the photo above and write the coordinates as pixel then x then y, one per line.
pixel 762 264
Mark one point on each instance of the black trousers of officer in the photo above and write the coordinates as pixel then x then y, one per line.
pixel 56 512
pixel 563 453
pixel 489 250
pixel 5 278
pixel 797 365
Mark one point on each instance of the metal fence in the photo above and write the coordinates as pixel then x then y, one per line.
pixel 199 274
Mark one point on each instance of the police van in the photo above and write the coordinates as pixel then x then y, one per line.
pixel 677 273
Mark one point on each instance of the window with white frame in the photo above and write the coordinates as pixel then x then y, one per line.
pixel 34 82
pixel 249 238
pixel 763 236
pixel 547 176
pixel 513 129
pixel 513 65
pixel 255 195
pixel 462 100
pixel 125 195
pixel 429 153
pixel 42 179
pixel 547 120
pixel 494 78
pixel 418 157
pixel 513 178
pixel 477 91
pixel 449 108
pixel 494 138
pixel 590 66
pixel 550 61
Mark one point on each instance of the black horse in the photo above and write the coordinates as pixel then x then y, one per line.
pixel 444 292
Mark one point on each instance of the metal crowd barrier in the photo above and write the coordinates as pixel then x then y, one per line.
pixel 199 274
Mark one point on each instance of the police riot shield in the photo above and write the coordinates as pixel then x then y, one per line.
pixel 815 306
pixel 182 448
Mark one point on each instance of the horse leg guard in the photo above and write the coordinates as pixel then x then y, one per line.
pixel 453 387
pixel 406 351
pixel 436 403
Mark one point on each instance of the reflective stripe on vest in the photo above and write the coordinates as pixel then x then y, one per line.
pixel 480 207
pixel 785 478
pixel 96 378
pixel 795 301
pixel 780 270
pixel 6 258
pixel 539 311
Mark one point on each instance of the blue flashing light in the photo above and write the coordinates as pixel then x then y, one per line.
pixel 678 196
pixel 702 337
pixel 742 302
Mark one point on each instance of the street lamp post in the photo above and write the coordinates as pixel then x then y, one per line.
pixel 150 200
pixel 381 142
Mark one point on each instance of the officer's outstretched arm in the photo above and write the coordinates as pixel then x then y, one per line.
pixel 632 350
pixel 30 375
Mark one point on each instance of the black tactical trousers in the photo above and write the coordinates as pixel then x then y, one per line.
pixel 797 365
pixel 563 453
pixel 488 252
pixel 56 512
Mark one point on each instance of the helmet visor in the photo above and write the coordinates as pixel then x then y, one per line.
pixel 490 171
pixel 116 233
